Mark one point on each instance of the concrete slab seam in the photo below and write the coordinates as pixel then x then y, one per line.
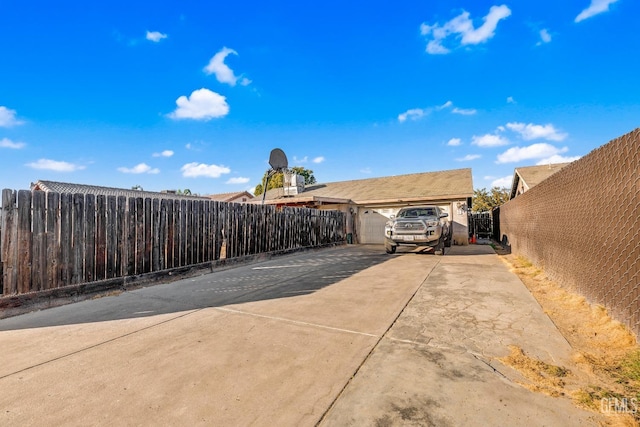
pixel 64 356
pixel 296 322
pixel 341 392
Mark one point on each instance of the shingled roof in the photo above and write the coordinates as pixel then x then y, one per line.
pixel 65 187
pixel 533 175
pixel 425 186
pixel 227 197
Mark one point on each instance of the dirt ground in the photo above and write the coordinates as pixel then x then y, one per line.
pixel 604 375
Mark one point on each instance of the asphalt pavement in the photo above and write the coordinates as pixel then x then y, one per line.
pixel 340 336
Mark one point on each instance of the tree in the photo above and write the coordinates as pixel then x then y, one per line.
pixel 277 180
pixel 185 192
pixel 137 187
pixel 485 201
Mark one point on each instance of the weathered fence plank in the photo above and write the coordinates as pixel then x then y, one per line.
pixel 130 240
pixel 77 243
pixel 9 243
pixel 112 237
pixel 140 237
pixel 39 264
pixel 66 230
pixel 90 237
pixel 25 247
pixel 148 236
pixel 101 237
pixel 53 241
pixel 121 236
pixel 155 243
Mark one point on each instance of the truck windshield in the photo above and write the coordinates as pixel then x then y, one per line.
pixel 415 213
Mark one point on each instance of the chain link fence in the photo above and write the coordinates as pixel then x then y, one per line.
pixel 582 226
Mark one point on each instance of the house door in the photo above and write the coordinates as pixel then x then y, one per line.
pixel 371 228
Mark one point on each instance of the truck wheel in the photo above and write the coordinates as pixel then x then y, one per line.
pixel 449 239
pixel 439 249
pixel 390 249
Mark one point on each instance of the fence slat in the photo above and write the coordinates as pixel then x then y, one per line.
pixel 39 265
pixel 24 241
pixel 9 243
pixel 140 244
pixel 101 237
pixel 148 236
pixel 77 244
pixel 112 236
pixel 121 236
pixel 130 241
pixel 53 240
pixel 90 237
pixel 155 243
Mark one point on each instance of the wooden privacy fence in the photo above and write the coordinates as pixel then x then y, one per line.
pixel 50 240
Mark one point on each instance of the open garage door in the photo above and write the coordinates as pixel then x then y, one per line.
pixel 371 226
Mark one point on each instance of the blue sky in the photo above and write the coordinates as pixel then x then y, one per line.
pixel 175 95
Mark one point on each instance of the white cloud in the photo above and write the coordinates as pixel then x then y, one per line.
pixel 464 112
pixel 596 7
pixel 505 181
pixel 489 140
pixel 223 73
pixel 8 118
pixel 454 142
pixel 53 165
pixel 445 105
pixel 305 159
pixel 461 27
pixel 413 114
pixel 417 113
pixel 468 157
pixel 237 180
pixel 195 170
pixel 530 131
pixel 203 104
pixel 556 158
pixel 318 159
pixel 165 153
pixel 139 169
pixel 7 143
pixel 510 100
pixel 434 47
pixel 545 36
pixel 366 171
pixel 540 150
pixel 155 36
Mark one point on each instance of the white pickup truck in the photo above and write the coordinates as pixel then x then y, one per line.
pixel 418 226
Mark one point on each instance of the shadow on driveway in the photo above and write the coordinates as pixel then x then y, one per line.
pixel 281 277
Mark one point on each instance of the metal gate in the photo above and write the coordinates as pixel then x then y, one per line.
pixel 480 224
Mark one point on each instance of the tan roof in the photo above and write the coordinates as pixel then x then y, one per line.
pixel 534 175
pixel 226 197
pixel 400 188
pixel 65 187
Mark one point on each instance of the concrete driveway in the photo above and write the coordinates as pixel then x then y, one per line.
pixel 343 336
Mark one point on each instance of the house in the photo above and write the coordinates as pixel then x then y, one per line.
pixel 237 197
pixel 65 187
pixel 370 202
pixel 528 177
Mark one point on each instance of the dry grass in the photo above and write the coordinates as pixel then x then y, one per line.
pixel 605 368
